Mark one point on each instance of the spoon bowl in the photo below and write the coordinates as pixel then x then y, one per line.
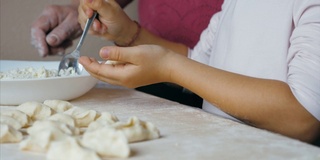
pixel 69 62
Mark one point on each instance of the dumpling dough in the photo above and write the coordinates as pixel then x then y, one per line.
pixel 35 110
pixel 10 121
pixel 9 135
pixel 58 105
pixel 107 118
pixel 70 149
pixel 107 142
pixel 52 125
pixel 111 62
pixel 83 117
pixel 137 130
pixel 23 118
pixel 42 133
pixel 64 118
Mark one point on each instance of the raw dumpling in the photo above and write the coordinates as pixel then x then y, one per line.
pixel 23 118
pixel 64 118
pixel 107 142
pixel 70 149
pixel 107 118
pixel 52 125
pixel 83 117
pixel 36 110
pixel 40 141
pixel 58 105
pixel 10 121
pixel 137 130
pixel 9 135
pixel 42 133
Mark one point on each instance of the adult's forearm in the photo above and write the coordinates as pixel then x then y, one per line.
pixel 267 104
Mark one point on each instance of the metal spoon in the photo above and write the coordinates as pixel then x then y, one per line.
pixel 71 60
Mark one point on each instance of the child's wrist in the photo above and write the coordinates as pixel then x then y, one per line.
pixel 132 39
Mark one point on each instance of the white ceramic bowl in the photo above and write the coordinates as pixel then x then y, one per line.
pixel 17 91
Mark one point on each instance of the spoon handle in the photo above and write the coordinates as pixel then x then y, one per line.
pixel 85 30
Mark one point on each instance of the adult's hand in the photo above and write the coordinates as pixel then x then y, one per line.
pixel 55 29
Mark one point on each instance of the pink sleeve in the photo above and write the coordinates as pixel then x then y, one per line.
pixel 178 21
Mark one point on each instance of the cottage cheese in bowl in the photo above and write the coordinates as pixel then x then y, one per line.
pixel 22 81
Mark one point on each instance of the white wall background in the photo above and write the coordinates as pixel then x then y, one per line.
pixel 16 17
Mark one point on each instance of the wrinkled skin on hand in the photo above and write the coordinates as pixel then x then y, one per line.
pixel 112 22
pixel 53 31
pixel 144 65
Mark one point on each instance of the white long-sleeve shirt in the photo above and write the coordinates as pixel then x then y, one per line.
pixel 271 39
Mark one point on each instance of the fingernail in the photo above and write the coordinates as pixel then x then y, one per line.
pixel 104 53
pixel 52 39
pixel 89 1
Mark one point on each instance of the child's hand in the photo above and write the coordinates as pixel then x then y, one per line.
pixel 112 22
pixel 141 65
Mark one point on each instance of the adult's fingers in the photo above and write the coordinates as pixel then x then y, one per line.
pixel 60 50
pixel 65 30
pixel 38 35
pixel 38 40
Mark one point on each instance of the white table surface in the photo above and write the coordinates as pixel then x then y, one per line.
pixel 186 132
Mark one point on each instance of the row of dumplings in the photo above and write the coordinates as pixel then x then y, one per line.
pixel 58 128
